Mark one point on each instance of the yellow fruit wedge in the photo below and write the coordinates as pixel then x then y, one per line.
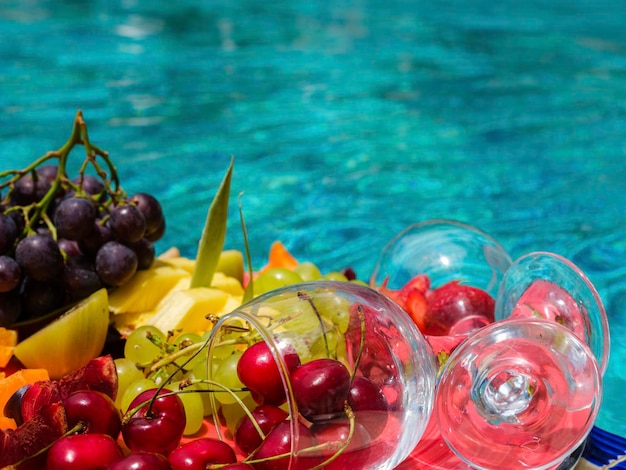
pixel 71 340
pixel 230 263
pixel 146 288
pixel 180 262
pixel 126 323
pixel 187 309
pixel 227 283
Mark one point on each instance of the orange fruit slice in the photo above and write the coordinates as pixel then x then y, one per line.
pixel 8 340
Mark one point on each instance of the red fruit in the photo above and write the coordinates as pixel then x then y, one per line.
pixel 454 302
pixel 369 405
pixel 142 461
pixel 237 466
pixel 26 402
pixel 200 453
pixel 278 442
pixel 157 426
pixel 416 306
pixel 95 411
pixel 83 452
pixel 32 436
pixel 356 454
pixel 247 437
pixel 98 374
pixel 321 388
pixel 419 284
pixel 257 369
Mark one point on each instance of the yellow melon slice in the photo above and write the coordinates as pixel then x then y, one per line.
pixel 71 340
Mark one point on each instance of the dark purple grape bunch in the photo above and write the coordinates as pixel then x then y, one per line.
pixel 63 238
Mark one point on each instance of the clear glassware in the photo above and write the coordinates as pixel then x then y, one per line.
pixel 521 393
pixel 363 330
pixel 445 251
pixel 547 285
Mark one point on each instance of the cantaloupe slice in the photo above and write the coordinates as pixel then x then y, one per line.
pixel 71 340
pixel 8 340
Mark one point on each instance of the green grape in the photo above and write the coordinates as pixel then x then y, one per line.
pixel 185 340
pixel 199 372
pixel 134 389
pixel 127 373
pixel 275 278
pixel 139 348
pixel 334 276
pixel 308 271
pixel 226 375
pixel 233 413
pixel 334 308
pixel 194 408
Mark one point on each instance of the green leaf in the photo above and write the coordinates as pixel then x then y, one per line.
pixel 213 236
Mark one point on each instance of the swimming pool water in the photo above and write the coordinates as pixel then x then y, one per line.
pixel 348 121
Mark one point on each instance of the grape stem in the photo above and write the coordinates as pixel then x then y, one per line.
pixel 35 212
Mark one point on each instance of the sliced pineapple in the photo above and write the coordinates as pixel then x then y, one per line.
pixel 181 262
pixel 146 288
pixel 187 309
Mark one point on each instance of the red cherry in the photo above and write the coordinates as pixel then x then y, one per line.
pixel 95 411
pixel 278 442
pixel 356 454
pixel 142 461
pixel 199 453
pixel 83 452
pixel 257 369
pixel 321 388
pixel 237 466
pixel 157 426
pixel 369 405
pixel 247 437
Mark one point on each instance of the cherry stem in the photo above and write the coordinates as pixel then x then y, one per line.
pixel 359 309
pixel 340 445
pixel 306 297
pixel 232 393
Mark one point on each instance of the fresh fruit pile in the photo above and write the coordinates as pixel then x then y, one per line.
pixel 182 367
pixel 63 237
pixel 151 405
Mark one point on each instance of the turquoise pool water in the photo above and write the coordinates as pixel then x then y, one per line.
pixel 348 121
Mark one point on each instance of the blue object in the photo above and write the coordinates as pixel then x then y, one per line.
pixel 603 447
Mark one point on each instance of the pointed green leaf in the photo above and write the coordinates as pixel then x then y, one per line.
pixel 213 236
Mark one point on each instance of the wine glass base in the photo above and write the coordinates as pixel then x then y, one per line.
pixel 572 460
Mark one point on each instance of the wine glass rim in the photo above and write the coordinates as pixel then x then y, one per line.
pixel 603 363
